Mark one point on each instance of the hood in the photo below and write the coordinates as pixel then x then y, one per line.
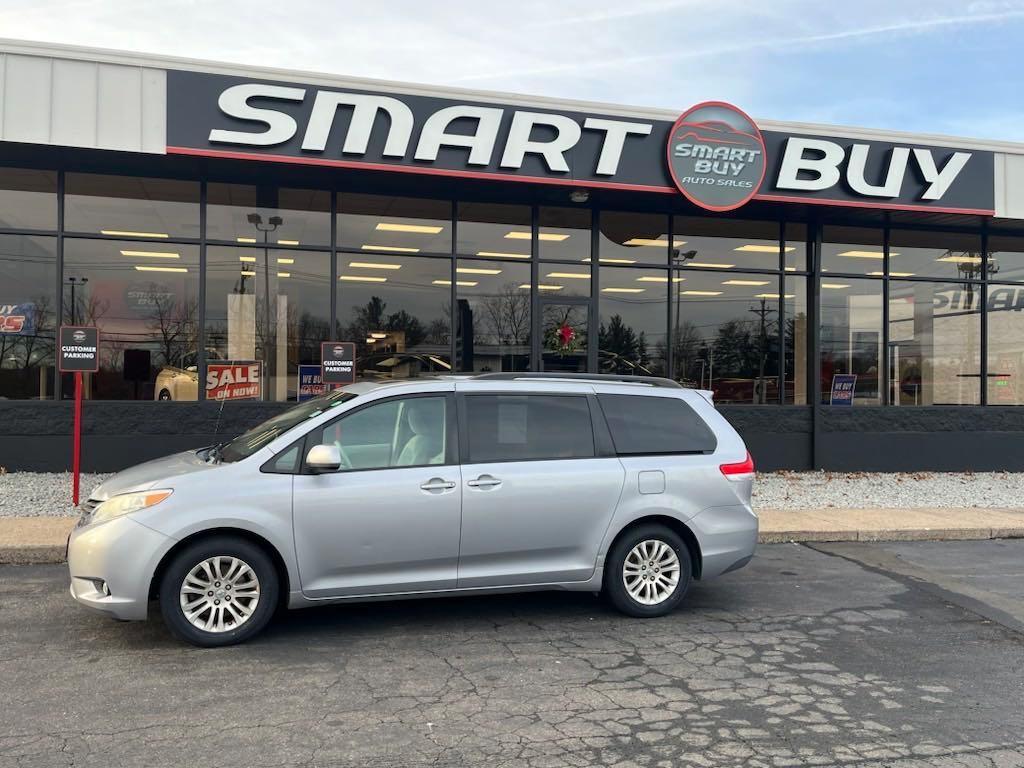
pixel 152 473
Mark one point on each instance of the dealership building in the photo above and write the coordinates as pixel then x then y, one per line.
pixel 853 297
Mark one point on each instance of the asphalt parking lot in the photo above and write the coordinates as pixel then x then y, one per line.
pixel 856 654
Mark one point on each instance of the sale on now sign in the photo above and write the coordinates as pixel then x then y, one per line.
pixel 233 381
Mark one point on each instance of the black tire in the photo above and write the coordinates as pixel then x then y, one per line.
pixel 614 583
pixel 191 557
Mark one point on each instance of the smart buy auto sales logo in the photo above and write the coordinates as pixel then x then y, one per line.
pixel 716 156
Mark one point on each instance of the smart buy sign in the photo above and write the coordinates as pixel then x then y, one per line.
pixel 234 381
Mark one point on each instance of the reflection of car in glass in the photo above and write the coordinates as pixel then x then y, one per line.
pixel 715 132
pixel 174 383
pixel 632 487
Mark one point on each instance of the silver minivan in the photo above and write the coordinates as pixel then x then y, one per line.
pixel 628 486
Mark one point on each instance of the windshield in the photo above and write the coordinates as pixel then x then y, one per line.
pixel 248 443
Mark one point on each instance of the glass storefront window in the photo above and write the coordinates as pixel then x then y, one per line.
pixel 1005 344
pixel 492 315
pixel 851 337
pixel 557 281
pixel 144 297
pixel 853 250
pixel 282 333
pixel 1005 258
pixel 725 334
pixel 633 321
pixel 795 251
pixel 797 337
pixel 633 238
pixel 381 224
pixel 934 254
pixel 494 231
pixel 397 311
pixel 726 243
pixel 28 316
pixel 564 233
pixel 934 343
pixel 28 199
pixel 249 215
pixel 131 206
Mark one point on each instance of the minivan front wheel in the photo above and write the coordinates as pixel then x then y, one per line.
pixel 218 591
pixel 648 571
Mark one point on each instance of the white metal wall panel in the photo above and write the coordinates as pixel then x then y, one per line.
pixel 73 123
pixel 28 86
pixel 1010 186
pixel 74 103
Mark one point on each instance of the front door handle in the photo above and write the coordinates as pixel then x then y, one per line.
pixel 437 484
pixel 484 481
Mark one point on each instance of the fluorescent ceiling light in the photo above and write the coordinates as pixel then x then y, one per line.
pixel 370 340
pixel 477 271
pixel 420 229
pixel 503 255
pixel 746 282
pixel 287 242
pixel 542 287
pixel 247 258
pixel 570 275
pixel 245 239
pixel 773 296
pixel 152 254
pixel 373 265
pixel 892 274
pixel 701 293
pixel 286 261
pixel 461 283
pixel 553 237
pixel 612 261
pixel 836 286
pixel 656 242
pixel 247 273
pixel 708 264
pixel 127 233
pixel 623 290
pixel 363 278
pixel 865 254
pixel 145 268
pixel 657 279
pixel 392 248
pixel 284 274
pixel 793 269
pixel 954 259
pixel 378 335
pixel 764 248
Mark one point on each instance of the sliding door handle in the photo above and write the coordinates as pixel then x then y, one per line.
pixel 484 481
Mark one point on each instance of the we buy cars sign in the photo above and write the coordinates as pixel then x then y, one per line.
pixel 234 381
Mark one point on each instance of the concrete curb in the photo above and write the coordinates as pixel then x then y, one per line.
pixel 37 540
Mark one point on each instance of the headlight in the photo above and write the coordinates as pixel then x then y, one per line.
pixel 116 506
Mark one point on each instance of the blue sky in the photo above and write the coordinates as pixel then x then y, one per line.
pixel 933 66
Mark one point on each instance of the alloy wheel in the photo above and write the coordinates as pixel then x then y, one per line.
pixel 219 594
pixel 650 572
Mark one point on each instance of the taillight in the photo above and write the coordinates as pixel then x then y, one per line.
pixel 741 470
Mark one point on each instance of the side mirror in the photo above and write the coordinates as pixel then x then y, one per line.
pixel 324 458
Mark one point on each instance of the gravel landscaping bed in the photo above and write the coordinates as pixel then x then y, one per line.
pixel 36 494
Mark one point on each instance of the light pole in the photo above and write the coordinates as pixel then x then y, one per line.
pixel 75 281
pixel 678 257
pixel 272 224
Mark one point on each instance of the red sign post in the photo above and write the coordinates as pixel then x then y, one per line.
pixel 79 352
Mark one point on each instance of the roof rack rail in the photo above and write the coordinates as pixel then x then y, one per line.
pixel 651 381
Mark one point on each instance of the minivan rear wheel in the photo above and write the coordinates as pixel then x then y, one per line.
pixel 648 571
pixel 218 591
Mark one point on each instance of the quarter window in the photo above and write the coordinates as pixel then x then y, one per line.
pixel 528 428
pixel 655 425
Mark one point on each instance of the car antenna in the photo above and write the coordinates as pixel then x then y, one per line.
pixel 223 399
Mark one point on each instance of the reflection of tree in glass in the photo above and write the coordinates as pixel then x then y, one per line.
pixel 28 350
pixel 686 350
pixel 173 323
pixel 620 339
pixel 506 315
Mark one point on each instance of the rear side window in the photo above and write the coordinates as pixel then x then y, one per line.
pixel 655 425
pixel 528 428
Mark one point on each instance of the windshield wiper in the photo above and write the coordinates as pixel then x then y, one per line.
pixel 213 455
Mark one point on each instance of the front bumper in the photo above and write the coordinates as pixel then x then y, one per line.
pixel 727 538
pixel 112 564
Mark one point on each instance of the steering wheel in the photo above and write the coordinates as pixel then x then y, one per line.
pixel 346 462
